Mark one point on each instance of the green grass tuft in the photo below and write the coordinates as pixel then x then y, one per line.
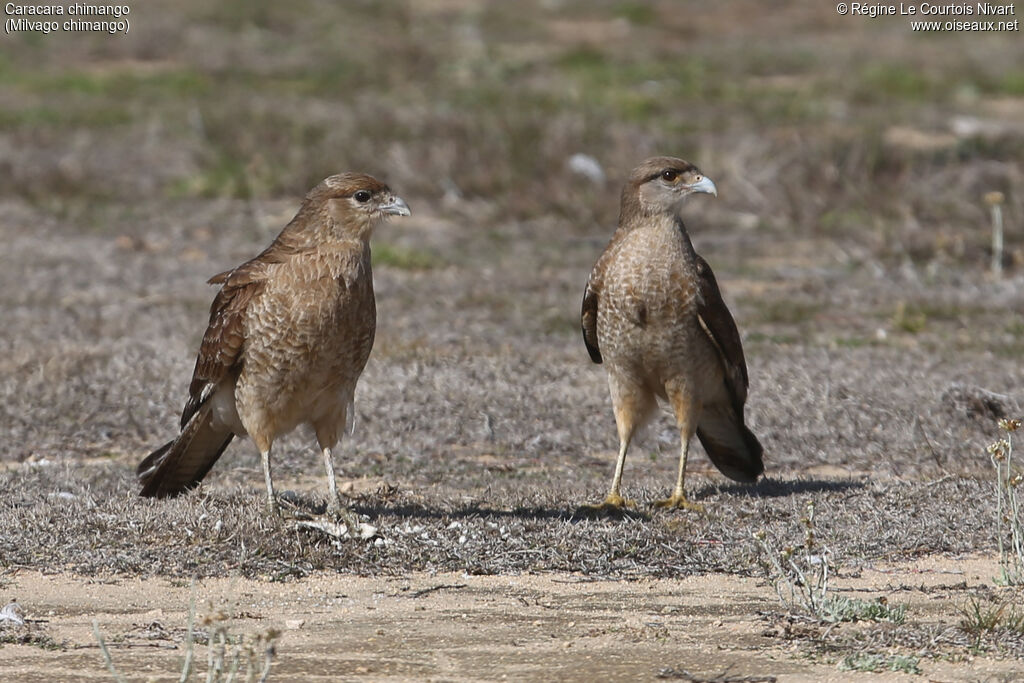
pixel 979 619
pixel 636 13
pixel 404 258
pixel 884 81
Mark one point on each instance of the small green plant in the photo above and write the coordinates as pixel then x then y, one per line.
pixel 637 13
pixel 1009 508
pixel 800 573
pixel 841 608
pixel 908 319
pixel 874 663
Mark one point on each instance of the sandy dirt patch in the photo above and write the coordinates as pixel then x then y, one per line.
pixel 458 627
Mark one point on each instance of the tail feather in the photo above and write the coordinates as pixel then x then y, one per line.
pixel 180 465
pixel 732 447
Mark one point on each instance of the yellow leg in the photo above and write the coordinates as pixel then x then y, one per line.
pixel 686 411
pixel 614 502
pixel 678 499
pixel 632 406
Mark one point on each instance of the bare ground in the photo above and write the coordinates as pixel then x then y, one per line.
pixel 460 627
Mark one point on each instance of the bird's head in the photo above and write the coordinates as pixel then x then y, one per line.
pixel 355 203
pixel 660 184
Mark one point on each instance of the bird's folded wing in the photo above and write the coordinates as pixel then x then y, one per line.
pixel 720 326
pixel 588 319
pixel 221 352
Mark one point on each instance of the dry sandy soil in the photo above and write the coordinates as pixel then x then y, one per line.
pixel 459 627
pixel 850 239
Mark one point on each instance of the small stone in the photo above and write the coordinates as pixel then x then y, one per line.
pixel 586 166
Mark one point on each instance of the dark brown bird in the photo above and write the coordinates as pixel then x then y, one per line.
pixel 653 314
pixel 290 332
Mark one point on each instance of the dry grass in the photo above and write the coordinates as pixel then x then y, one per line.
pixel 87 519
pixel 478 402
pixel 229 656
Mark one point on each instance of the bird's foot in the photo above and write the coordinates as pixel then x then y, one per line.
pixel 678 501
pixel 271 508
pixel 617 502
pixel 614 504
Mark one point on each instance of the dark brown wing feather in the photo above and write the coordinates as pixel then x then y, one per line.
pixel 720 326
pixel 180 465
pixel 220 353
pixel 588 319
pixel 733 448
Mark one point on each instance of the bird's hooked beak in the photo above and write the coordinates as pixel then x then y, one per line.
pixel 396 206
pixel 703 185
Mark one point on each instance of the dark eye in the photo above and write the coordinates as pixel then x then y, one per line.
pixel 362 196
pixel 669 175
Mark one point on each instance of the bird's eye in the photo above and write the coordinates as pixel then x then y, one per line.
pixel 362 196
pixel 669 175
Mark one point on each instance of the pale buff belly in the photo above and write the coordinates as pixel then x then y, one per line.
pixel 648 328
pixel 304 369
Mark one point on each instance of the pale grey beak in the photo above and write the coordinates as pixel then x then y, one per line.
pixel 396 207
pixel 704 185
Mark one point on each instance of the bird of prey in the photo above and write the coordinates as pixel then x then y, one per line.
pixel 653 314
pixel 289 334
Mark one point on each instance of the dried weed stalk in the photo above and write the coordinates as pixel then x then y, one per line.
pixel 995 204
pixel 1009 509
pixel 227 656
pixel 800 576
pixel 800 573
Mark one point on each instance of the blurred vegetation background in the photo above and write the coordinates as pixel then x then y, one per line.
pixel 851 128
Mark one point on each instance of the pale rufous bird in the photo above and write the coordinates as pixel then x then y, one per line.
pixel 653 314
pixel 290 332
